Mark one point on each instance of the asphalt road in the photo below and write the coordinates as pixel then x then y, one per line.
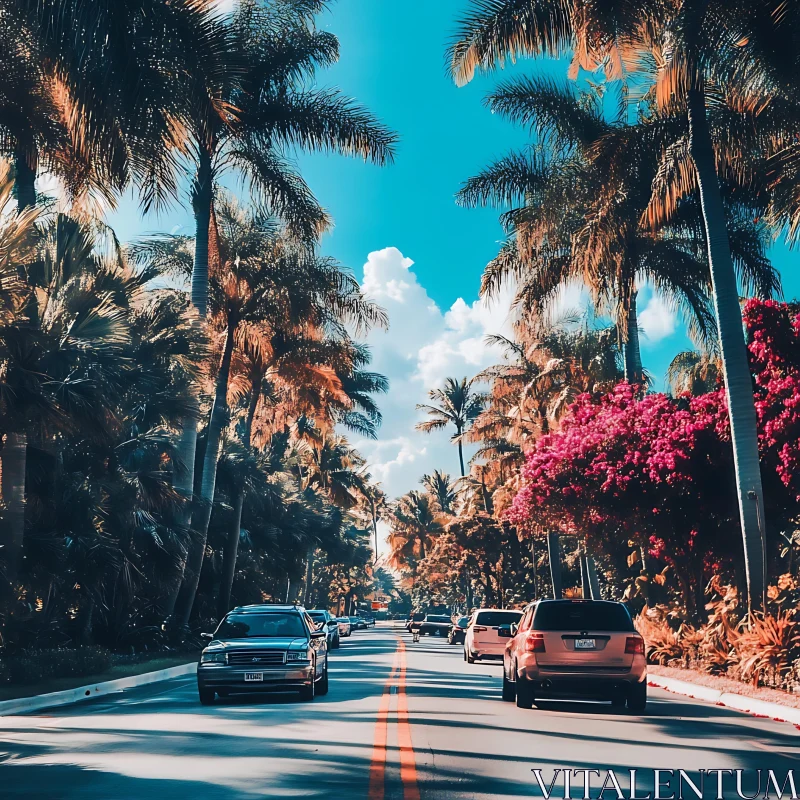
pixel 402 721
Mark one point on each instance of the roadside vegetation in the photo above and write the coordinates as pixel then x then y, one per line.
pixel 665 161
pixel 174 411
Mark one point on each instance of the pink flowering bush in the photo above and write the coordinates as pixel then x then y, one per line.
pixel 658 471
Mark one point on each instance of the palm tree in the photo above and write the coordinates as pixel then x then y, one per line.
pixel 583 211
pixel 264 287
pixel 442 489
pixel 458 405
pixel 698 44
pixel 693 372
pixel 415 524
pixel 98 93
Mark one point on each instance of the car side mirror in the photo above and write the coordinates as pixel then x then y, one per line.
pixel 207 636
pixel 318 634
pixel 504 632
pixel 514 628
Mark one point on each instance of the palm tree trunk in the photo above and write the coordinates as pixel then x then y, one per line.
pixel 309 575
pixel 202 195
pixel 201 516
pixel 633 354
pixel 14 456
pixel 186 447
pixel 461 454
pixel 733 349
pixel 25 169
pixel 183 482
pixel 231 549
pixel 554 555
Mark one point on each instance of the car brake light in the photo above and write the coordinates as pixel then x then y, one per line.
pixel 634 645
pixel 534 643
pixel 479 628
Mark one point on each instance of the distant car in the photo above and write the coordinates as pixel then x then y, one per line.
pixel 413 619
pixel 358 623
pixel 435 624
pixel 261 648
pixel 369 620
pixel 481 639
pixel 345 626
pixel 575 648
pixel 328 623
pixel 458 631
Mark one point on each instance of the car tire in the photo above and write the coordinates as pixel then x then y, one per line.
pixel 322 686
pixel 524 692
pixel 509 690
pixel 470 658
pixel 637 698
pixel 206 696
pixel 335 644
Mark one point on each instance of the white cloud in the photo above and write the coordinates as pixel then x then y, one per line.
pixel 423 346
pixel 657 320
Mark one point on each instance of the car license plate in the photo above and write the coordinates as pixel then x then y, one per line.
pixel 584 644
pixel 254 676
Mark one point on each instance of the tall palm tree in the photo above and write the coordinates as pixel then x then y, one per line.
pixel 442 489
pixel 697 45
pixel 458 405
pixel 415 524
pixel 583 215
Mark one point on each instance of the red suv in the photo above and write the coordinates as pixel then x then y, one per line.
pixel 575 648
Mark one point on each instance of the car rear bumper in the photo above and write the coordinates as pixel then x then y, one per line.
pixel 594 681
pixel 489 649
pixel 222 677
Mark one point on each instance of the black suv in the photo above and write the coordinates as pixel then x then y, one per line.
pixel 262 648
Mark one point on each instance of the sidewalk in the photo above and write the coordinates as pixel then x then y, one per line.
pixel 25 705
pixel 731 699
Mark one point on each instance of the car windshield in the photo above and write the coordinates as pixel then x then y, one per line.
pixel 317 616
pixel 497 618
pixel 582 617
pixel 249 626
pixel 437 618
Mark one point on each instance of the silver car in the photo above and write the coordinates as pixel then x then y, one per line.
pixel 262 648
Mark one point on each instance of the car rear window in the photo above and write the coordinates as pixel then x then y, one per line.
pixel 582 617
pixel 437 618
pixel 463 622
pixel 249 626
pixel 498 617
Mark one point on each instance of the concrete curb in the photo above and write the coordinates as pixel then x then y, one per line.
pixel 739 702
pixel 24 705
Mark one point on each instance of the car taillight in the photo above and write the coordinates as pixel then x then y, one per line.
pixel 479 628
pixel 534 643
pixel 634 645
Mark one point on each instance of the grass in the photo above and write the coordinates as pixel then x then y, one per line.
pixel 123 670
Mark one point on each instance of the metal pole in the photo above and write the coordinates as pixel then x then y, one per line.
pixel 554 554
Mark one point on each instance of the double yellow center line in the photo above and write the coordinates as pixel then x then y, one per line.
pixel 408 766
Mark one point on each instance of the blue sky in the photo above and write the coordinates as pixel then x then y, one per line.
pixel 392 60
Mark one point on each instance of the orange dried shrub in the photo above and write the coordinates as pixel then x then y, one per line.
pixel 662 643
pixel 766 647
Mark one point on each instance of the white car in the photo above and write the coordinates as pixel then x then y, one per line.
pixel 482 639
pixel 345 626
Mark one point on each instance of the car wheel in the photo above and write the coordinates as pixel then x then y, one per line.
pixel 509 690
pixel 322 686
pixel 637 698
pixel 335 644
pixel 206 696
pixel 470 657
pixel 619 699
pixel 525 696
